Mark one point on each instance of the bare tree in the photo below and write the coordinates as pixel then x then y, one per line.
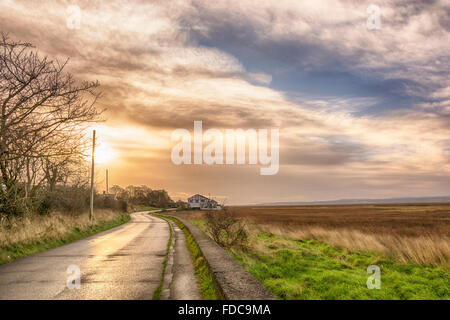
pixel 43 114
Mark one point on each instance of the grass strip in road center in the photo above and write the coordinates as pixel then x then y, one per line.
pixel 204 277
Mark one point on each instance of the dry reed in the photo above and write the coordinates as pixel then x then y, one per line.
pixel 34 228
pixel 418 233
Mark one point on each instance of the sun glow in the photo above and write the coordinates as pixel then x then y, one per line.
pixel 104 153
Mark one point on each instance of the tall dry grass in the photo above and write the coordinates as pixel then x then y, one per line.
pixel 30 228
pixel 427 249
pixel 418 233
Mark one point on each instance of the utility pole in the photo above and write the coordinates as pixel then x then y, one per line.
pixel 107 181
pixel 91 211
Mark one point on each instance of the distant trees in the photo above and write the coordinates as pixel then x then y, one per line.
pixel 43 114
pixel 181 204
pixel 143 195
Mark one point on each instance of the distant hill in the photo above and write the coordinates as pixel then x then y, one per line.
pixel 360 201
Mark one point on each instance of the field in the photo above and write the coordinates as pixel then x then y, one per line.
pixel 400 219
pixel 322 252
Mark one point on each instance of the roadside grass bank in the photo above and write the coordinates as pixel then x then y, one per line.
pixel 28 235
pixel 311 269
pixel 140 208
pixel 417 233
pixel 202 272
pixel 158 291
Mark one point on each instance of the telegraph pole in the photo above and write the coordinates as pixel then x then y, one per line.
pixel 107 181
pixel 91 210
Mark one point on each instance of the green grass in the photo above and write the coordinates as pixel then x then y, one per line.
pixel 140 208
pixel 157 293
pixel 310 269
pixel 202 272
pixel 10 253
pixel 199 223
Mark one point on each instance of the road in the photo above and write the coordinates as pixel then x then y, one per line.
pixel 121 263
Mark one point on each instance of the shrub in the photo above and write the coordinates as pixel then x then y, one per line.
pixel 45 206
pixel 228 231
pixel 106 202
pixel 11 201
pixel 122 205
pixel 73 200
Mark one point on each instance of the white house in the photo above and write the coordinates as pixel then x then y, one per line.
pixel 112 196
pixel 200 202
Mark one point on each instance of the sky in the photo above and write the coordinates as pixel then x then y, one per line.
pixel 361 112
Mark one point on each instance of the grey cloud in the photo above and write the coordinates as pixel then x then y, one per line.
pixel 140 90
pixel 330 153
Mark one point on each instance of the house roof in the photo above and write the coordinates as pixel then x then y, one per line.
pixel 199 195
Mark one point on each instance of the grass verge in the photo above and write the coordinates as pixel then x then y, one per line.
pixel 310 269
pixel 417 233
pixel 202 272
pixel 14 251
pixel 157 293
pixel 140 208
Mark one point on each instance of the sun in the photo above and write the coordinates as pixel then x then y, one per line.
pixel 104 153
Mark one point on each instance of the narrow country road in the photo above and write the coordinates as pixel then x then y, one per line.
pixel 122 263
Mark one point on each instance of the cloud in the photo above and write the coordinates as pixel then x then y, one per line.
pixel 412 45
pixel 260 77
pixel 358 111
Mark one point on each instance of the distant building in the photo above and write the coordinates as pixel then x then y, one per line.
pixel 111 196
pixel 203 203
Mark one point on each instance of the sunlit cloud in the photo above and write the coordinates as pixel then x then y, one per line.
pixel 367 110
